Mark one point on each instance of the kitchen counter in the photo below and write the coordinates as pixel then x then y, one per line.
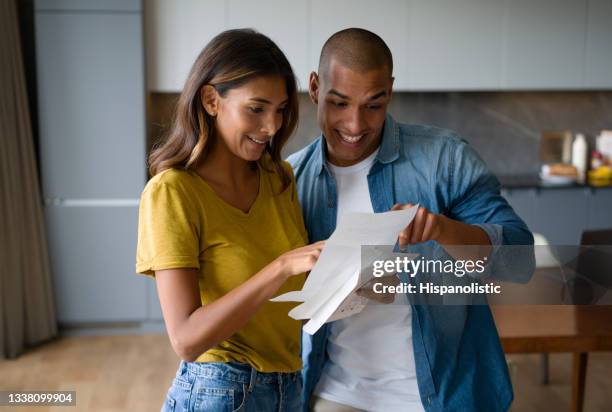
pixel 529 181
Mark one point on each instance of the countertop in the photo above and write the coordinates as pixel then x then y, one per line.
pixel 529 181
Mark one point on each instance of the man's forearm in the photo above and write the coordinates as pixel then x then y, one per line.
pixel 464 241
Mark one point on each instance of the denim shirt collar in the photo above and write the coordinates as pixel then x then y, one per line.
pixel 389 146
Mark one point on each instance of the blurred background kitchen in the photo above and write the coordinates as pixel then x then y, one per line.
pixel 89 85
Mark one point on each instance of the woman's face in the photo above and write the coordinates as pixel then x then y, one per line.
pixel 249 116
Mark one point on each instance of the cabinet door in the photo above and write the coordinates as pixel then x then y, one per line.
pixel 284 22
pixel 91 104
pixel 455 45
pixel 176 33
pixel 544 44
pixel 523 201
pixel 600 209
pixel 92 251
pixel 561 215
pixel 388 19
pixel 598 69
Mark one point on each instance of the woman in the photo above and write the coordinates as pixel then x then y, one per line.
pixel 221 230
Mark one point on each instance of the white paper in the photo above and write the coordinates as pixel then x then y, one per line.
pixel 329 291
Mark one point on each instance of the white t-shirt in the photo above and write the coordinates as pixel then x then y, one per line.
pixel 371 359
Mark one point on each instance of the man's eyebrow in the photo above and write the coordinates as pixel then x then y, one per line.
pixel 378 95
pixel 337 93
pixel 266 101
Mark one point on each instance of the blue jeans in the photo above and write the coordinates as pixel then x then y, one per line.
pixel 227 387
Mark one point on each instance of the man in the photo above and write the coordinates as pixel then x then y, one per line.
pixel 398 357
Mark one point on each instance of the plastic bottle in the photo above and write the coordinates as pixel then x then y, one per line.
pixel 579 156
pixel 596 160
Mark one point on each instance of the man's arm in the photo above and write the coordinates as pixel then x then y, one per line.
pixel 475 212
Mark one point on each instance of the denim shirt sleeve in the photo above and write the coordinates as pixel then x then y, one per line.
pixel 493 231
pixel 475 198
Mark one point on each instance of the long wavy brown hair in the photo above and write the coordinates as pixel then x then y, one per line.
pixel 231 59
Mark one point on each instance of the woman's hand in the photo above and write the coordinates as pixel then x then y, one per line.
pixel 299 260
pixel 193 328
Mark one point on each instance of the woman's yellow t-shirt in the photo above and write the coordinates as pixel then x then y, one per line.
pixel 184 224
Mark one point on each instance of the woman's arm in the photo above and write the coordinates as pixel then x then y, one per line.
pixel 193 328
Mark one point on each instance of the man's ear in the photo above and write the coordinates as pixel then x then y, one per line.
pixel 210 99
pixel 313 87
pixel 391 87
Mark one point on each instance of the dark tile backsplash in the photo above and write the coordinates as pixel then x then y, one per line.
pixel 504 127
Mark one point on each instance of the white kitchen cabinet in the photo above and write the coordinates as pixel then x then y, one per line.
pixel 388 19
pixel 544 44
pixel 598 60
pixel 437 45
pixel 176 32
pixel 285 22
pixel 455 45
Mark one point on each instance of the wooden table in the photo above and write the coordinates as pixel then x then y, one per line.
pixel 548 329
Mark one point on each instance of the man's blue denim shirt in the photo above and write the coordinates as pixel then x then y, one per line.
pixel 460 364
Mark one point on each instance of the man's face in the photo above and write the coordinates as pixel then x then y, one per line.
pixel 351 108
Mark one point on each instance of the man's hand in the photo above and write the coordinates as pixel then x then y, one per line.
pixel 425 226
pixel 453 235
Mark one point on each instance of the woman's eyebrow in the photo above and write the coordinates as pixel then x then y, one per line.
pixel 266 101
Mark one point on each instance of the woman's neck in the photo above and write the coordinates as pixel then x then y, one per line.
pixel 222 167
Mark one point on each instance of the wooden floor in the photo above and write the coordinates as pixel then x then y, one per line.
pixel 132 373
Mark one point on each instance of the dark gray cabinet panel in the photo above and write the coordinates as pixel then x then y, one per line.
pixel 92 253
pixel 600 209
pixel 522 201
pixel 91 104
pixel 561 215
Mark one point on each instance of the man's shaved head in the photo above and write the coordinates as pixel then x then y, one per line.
pixel 357 49
pixel 352 91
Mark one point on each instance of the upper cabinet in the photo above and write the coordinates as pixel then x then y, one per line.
pixel 437 45
pixel 598 59
pixel 454 45
pixel 285 22
pixel 388 19
pixel 544 44
pixel 176 32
